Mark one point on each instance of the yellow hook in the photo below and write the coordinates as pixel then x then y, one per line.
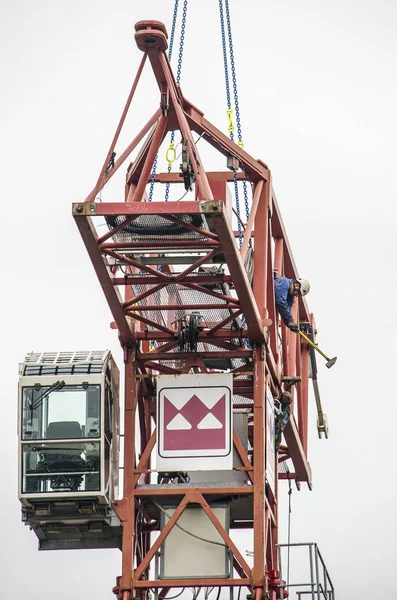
pixel 170 155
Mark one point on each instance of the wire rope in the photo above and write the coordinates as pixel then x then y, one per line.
pixel 189 532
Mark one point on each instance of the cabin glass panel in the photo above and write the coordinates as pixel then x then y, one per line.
pixel 60 467
pixel 59 426
pixel 72 411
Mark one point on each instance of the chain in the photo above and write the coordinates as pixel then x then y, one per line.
pixel 228 99
pixel 178 77
pixel 229 104
pixel 182 41
pixel 172 37
pixel 167 187
pixel 235 181
pixel 174 17
pixel 236 102
pixel 233 71
pixel 154 170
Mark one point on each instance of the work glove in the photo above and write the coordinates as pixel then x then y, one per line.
pixel 293 326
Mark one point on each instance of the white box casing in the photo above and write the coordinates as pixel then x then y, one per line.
pixel 184 556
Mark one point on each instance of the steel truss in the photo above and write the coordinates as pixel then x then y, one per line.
pixel 146 303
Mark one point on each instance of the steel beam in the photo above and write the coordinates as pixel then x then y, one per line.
pixel 198 582
pixel 297 453
pixel 254 169
pixel 211 175
pixel 186 355
pixel 203 336
pixel 242 286
pixel 101 179
pixel 259 466
pixel 115 301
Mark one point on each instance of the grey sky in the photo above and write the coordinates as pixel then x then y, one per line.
pixel 318 92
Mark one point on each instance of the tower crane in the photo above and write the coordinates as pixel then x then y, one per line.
pixel 207 367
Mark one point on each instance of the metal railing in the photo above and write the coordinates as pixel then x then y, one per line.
pixel 320 586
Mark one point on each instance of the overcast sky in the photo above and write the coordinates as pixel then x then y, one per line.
pixel 318 96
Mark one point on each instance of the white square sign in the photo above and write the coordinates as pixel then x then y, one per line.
pixel 194 422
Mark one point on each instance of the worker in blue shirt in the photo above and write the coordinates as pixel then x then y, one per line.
pixel 285 291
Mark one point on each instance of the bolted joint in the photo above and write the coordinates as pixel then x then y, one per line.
pixel 84 208
pixel 211 206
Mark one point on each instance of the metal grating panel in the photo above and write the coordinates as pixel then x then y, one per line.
pixel 153 227
pixel 180 295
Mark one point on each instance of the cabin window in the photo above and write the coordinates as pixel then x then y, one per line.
pixel 60 467
pixel 61 412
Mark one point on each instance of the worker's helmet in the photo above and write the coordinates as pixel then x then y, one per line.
pixel 305 286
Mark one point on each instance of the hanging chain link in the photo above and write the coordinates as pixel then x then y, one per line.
pixel 236 102
pixel 173 27
pixel 167 187
pixel 170 48
pixel 178 79
pixel 233 71
pixel 182 41
pixel 226 68
pixel 229 109
pixel 154 171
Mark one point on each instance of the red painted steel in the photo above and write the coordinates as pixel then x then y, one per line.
pixel 139 280
pixel 212 176
pixel 242 328
pixel 161 307
pixel 102 176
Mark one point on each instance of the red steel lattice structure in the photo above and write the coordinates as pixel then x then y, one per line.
pixel 146 301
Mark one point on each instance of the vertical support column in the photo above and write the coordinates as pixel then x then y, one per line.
pixel 270 299
pixel 271 528
pixel 130 402
pixel 259 469
pixel 279 264
pixel 148 426
pixel 261 249
pixel 279 254
pixel 274 532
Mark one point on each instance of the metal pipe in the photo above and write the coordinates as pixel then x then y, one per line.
pixel 259 466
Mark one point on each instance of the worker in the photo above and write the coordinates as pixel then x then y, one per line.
pixel 285 291
pixel 282 413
